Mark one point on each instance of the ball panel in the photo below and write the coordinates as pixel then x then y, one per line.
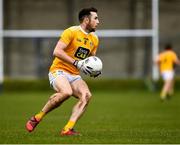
pixel 94 64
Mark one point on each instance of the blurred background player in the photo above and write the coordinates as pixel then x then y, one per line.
pixel 75 44
pixel 166 61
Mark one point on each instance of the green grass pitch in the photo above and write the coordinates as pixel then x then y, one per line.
pixel 120 117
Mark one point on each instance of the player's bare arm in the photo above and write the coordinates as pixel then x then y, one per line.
pixel 177 61
pixel 60 53
pixel 157 61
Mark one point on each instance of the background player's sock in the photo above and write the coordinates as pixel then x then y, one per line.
pixel 163 95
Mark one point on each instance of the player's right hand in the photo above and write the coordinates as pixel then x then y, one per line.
pixel 80 65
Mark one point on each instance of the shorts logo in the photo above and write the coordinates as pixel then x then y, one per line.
pixel 82 53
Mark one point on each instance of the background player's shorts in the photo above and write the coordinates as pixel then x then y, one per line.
pixel 53 75
pixel 167 75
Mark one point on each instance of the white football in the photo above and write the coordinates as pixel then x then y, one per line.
pixel 95 65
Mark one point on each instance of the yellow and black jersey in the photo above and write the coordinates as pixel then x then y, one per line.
pixel 79 46
pixel 167 60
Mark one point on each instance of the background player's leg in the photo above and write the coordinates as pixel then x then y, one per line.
pixel 165 89
pixel 171 89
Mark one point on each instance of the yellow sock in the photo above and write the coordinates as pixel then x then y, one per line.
pixel 69 125
pixel 40 115
pixel 163 95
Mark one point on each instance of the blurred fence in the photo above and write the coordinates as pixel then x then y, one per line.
pixel 126 57
pixel 33 57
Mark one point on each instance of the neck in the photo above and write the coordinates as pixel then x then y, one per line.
pixel 83 26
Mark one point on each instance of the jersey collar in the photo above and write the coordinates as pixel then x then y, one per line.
pixel 83 30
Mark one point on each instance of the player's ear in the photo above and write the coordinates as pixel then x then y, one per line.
pixel 86 19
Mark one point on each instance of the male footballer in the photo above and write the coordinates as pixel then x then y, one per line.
pixel 166 61
pixel 75 44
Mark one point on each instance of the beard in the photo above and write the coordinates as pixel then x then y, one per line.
pixel 90 29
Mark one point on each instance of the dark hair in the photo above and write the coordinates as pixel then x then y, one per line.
pixel 86 12
pixel 168 46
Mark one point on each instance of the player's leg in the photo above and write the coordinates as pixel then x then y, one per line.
pixel 63 91
pixel 80 91
pixel 168 77
pixel 171 89
pixel 165 89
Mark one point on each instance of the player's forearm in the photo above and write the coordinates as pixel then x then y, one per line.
pixel 60 53
pixel 177 61
pixel 63 56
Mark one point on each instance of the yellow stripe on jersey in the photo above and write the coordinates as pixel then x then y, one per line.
pixel 167 60
pixel 80 46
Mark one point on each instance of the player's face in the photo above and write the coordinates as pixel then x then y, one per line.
pixel 93 22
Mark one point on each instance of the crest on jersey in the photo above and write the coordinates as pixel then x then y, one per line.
pixel 86 40
pixel 91 44
pixel 79 40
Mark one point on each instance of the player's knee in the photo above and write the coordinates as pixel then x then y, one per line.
pixel 88 96
pixel 83 101
pixel 66 93
pixel 61 96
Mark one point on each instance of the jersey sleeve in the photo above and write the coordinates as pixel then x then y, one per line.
pixel 96 43
pixel 174 57
pixel 66 36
